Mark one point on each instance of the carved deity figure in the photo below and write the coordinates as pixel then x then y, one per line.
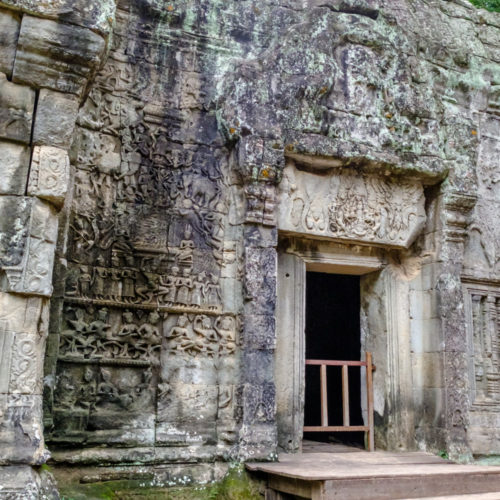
pixel 99 279
pixel 115 275
pixel 198 293
pixel 206 340
pixel 83 237
pixel 84 281
pixel 149 336
pixel 213 292
pixel 167 290
pixel 100 329
pixel 225 328
pixel 72 340
pixel 147 291
pixel 184 286
pixel 179 338
pixel 106 390
pixel 66 394
pixel 128 285
pixel 185 254
pixel 87 391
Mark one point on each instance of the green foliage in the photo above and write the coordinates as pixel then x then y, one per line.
pixel 443 454
pixel 491 5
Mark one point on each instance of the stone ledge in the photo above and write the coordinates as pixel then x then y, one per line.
pixel 97 15
pixel 57 56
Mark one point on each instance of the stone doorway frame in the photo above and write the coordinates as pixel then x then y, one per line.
pixel 296 256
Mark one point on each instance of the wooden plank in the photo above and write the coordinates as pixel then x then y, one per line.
pixel 345 396
pixel 324 397
pixel 365 465
pixel 335 428
pixel 334 363
pixel 369 397
pixel 290 486
pixel 411 487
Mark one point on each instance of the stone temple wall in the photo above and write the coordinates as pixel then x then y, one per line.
pixel 142 146
pixel 49 55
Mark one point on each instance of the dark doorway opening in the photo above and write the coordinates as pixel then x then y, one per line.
pixel 333 333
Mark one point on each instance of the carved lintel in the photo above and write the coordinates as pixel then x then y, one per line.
pixel 345 204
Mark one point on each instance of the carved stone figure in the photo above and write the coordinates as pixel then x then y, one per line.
pixel 99 279
pixel 179 338
pixel 184 286
pixel 224 326
pixel 198 293
pixel 206 340
pixel 213 292
pixel 167 290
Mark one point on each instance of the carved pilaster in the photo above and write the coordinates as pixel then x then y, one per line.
pixel 457 208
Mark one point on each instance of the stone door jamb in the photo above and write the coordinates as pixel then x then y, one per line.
pixel 293 263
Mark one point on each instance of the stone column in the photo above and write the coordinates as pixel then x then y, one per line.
pixel 46 66
pixel 261 167
pixel 456 208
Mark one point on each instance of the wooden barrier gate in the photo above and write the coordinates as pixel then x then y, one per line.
pixel 346 427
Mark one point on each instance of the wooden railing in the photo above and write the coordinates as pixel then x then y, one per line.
pixel 346 427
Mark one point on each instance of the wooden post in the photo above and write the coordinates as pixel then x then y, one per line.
pixel 369 398
pixel 324 397
pixel 345 395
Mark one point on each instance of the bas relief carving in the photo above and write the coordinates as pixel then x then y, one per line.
pixel 348 205
pixel 146 354
pixel 483 305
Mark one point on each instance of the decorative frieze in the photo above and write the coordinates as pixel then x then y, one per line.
pixel 345 204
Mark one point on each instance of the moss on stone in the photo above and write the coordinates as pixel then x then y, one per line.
pixel 491 5
pixel 236 485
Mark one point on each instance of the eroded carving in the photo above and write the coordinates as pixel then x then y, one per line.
pixel 484 320
pixel 350 205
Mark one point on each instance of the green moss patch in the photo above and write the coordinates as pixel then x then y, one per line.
pixel 491 5
pixel 236 485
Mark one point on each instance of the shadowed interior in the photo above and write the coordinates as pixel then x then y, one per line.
pixel 333 333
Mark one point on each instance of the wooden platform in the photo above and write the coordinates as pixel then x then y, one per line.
pixel 324 472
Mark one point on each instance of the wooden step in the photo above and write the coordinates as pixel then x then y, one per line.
pixel 474 496
pixel 376 476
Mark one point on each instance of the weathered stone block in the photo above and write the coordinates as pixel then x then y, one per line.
pixel 259 403
pixel 259 236
pixel 16 111
pixel 232 295
pixel 21 361
pixel 14 223
pixel 20 314
pixel 27 253
pixel 49 174
pixel 258 366
pixel 56 56
pixel 260 280
pixel 10 23
pixel 258 441
pixel 26 368
pixel 55 119
pixel 97 16
pixel 19 482
pixel 14 166
pixel 428 370
pixel 259 331
pixel 21 434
